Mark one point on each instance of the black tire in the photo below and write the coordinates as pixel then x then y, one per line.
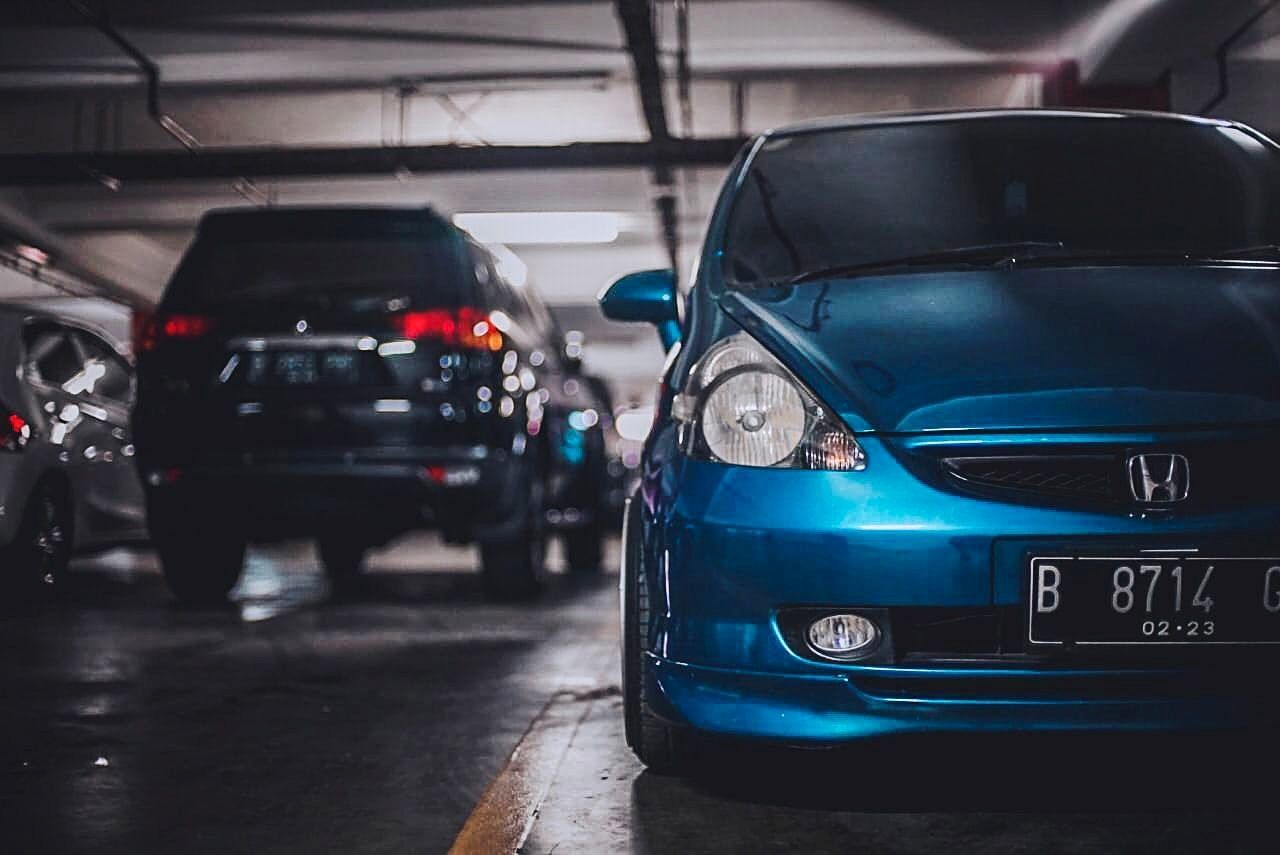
pixel 663 749
pixel 343 560
pixel 584 548
pixel 512 567
pixel 200 565
pixel 35 563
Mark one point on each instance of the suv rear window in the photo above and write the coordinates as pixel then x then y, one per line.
pixel 332 270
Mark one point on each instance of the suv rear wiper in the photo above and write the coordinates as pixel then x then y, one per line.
pixel 989 254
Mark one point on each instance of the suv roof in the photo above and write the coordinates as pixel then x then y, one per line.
pixel 351 254
pixel 268 223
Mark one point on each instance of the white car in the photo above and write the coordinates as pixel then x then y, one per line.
pixel 67 476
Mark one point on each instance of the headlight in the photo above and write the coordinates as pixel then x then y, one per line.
pixel 742 406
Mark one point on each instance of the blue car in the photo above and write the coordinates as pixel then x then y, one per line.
pixel 969 424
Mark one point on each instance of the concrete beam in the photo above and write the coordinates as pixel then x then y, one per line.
pixel 101 274
pixel 1135 42
pixel 86 168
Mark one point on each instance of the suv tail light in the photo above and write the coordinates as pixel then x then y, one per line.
pixel 463 327
pixel 15 433
pixel 151 329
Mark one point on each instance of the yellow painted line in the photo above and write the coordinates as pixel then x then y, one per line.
pixel 504 816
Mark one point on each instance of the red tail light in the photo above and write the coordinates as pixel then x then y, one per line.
pixel 149 330
pixel 464 327
pixel 138 324
pixel 14 432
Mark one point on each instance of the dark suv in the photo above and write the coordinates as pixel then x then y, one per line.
pixel 350 374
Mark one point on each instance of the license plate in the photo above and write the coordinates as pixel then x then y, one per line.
pixel 303 368
pixel 296 368
pixel 1154 600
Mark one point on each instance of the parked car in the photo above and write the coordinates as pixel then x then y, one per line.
pixel 67 476
pixel 347 375
pixel 971 428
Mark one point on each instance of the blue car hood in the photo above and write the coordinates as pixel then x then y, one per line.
pixel 1048 348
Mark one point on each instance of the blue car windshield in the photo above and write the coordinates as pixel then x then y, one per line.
pixel 1068 186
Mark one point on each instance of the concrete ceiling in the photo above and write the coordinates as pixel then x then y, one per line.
pixel 300 73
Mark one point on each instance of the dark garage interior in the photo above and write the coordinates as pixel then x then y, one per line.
pixel 320 459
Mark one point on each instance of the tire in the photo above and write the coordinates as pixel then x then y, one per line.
pixel 663 749
pixel 200 566
pixel 512 567
pixel 35 563
pixel 584 548
pixel 343 560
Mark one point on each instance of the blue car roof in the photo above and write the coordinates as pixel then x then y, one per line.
pixel 838 123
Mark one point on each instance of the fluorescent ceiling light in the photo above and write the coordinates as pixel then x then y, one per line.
pixel 33 254
pixel 527 227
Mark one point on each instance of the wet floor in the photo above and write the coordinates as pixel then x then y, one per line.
pixel 1050 795
pixel 291 721
pixel 288 722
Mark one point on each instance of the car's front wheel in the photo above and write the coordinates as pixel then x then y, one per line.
pixel 584 547
pixel 664 749
pixel 511 568
pixel 201 564
pixel 35 563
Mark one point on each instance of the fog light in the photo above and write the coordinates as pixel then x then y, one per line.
pixel 843 636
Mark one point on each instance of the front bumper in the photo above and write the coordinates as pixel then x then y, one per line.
pixel 827 709
pixel 730 548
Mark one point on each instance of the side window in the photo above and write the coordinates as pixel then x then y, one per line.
pixel 538 312
pixel 490 284
pixel 482 269
pixel 519 303
pixel 511 303
pixel 106 374
pixel 53 355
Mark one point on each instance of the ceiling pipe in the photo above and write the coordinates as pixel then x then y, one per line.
pixel 1224 52
pixel 64 257
pixel 636 17
pixel 244 186
pixel 321 32
pixel 150 71
pixel 684 91
pixel 684 75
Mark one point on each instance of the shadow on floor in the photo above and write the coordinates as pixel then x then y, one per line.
pixel 1037 793
pixel 459 587
pixel 276 582
pixel 1021 773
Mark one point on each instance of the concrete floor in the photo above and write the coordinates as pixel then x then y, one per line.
pixel 291 722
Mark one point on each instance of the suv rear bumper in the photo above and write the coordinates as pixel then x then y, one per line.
pixel 465 493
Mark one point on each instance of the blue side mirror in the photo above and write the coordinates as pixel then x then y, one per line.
pixel 648 296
